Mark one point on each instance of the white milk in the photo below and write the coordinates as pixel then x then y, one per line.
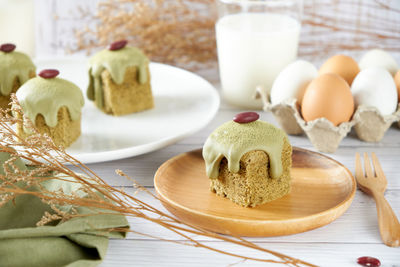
pixel 17 24
pixel 252 49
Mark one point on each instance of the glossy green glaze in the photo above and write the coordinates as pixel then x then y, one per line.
pixel 12 65
pixel 116 63
pixel 47 96
pixel 232 140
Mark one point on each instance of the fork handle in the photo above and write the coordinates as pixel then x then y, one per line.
pixel 389 225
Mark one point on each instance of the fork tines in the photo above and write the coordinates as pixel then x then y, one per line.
pixel 369 172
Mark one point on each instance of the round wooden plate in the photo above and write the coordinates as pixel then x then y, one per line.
pixel 322 190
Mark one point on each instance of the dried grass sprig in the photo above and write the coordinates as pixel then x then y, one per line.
pixel 50 162
pixel 182 32
pixel 174 32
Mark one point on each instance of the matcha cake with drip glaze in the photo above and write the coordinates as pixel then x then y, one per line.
pixel 248 161
pixel 119 80
pixel 15 69
pixel 54 105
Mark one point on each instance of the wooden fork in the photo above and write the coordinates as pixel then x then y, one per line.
pixel 375 184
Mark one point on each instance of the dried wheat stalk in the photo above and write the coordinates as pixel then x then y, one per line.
pixel 174 32
pixel 182 32
pixel 352 26
pixel 39 150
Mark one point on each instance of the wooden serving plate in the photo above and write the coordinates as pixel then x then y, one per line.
pixel 322 190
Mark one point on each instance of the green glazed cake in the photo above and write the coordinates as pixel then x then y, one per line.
pixel 119 81
pixel 249 163
pixel 15 69
pixel 54 106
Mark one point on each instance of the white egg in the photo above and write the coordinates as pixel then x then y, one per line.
pixel 292 81
pixel 379 58
pixel 375 87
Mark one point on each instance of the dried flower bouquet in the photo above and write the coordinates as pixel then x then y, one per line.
pixel 50 162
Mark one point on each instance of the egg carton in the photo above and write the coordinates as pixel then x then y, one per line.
pixel 283 112
pixel 368 123
pixel 371 125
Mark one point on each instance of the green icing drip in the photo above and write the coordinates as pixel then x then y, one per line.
pixel 4 156
pixel 14 64
pixel 116 63
pixel 232 140
pixel 47 96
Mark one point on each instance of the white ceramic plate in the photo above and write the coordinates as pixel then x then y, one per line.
pixel 184 103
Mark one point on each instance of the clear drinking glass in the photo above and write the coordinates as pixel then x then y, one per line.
pixel 17 24
pixel 256 39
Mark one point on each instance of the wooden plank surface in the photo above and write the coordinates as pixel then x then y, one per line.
pixel 158 253
pixel 353 235
pixel 338 244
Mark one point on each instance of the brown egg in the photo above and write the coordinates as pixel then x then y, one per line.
pixel 328 96
pixel 397 82
pixel 342 65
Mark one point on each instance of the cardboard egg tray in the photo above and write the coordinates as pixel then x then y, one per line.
pixel 369 124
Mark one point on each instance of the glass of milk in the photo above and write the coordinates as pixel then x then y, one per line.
pixel 17 24
pixel 256 39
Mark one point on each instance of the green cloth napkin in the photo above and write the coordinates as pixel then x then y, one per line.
pixel 77 242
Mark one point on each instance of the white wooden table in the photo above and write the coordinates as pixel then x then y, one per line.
pixel 340 243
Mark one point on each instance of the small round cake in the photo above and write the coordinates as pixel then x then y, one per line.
pixel 54 105
pixel 15 69
pixel 248 161
pixel 120 80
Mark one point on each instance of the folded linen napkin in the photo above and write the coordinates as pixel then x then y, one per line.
pixel 81 241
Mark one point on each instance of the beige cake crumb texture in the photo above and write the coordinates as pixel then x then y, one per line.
pixel 63 134
pixel 128 97
pixel 253 184
pixel 6 99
